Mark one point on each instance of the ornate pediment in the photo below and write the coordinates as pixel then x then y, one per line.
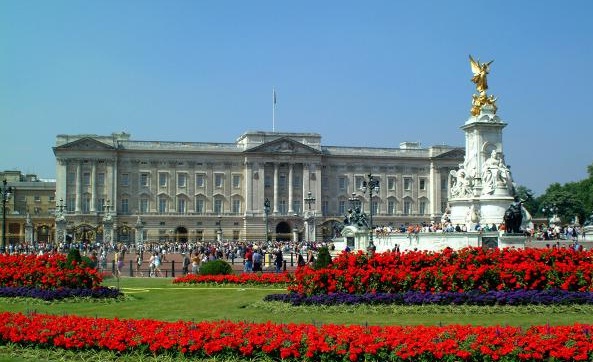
pixel 457 153
pixel 86 143
pixel 284 145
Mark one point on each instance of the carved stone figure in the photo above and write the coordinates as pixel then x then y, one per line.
pixel 462 183
pixel 494 174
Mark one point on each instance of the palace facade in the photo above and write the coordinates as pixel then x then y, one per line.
pixel 157 191
pixel 29 210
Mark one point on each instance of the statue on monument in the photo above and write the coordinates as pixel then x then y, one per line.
pixel 495 174
pixel 461 183
pixel 480 71
pixel 513 217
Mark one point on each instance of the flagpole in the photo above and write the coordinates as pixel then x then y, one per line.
pixel 273 109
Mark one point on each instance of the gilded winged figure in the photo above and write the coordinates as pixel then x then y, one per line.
pixel 480 71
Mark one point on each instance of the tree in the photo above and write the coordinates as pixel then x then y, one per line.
pixel 568 203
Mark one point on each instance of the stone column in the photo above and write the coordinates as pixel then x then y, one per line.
pixel 77 207
pixel 433 185
pixel 93 186
pixel 290 196
pixel 306 183
pixel 139 240
pixel 275 208
pixel 28 230
pixel 248 187
pixel 61 178
pixel 60 236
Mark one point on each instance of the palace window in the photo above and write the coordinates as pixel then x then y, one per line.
pixel 391 183
pixel 86 178
pixel 282 207
pixel 296 206
pixel 218 206
pixel 101 179
pixel 296 180
pixel 407 184
pixel 181 180
pixel 218 180
pixel 422 184
pixel 144 205
pixel 125 179
pixel 342 207
pixel 391 207
pixel 342 183
pixel 236 206
pixel 422 207
pixel 162 205
pixel 199 180
pixel 144 179
pixel 181 205
pixel 86 203
pixel 124 206
pixel 236 181
pixel 199 205
pixel 407 207
pixel 163 179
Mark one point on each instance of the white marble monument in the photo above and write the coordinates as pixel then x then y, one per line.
pixel 482 188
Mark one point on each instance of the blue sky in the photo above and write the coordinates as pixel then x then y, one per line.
pixel 372 73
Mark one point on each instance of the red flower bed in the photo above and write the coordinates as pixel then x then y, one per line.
pixel 245 278
pixel 45 272
pixel 300 341
pixel 450 271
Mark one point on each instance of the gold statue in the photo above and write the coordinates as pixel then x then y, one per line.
pixel 479 100
pixel 480 71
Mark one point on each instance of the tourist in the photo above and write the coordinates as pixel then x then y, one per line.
pixel 310 258
pixel 195 263
pixel 139 264
pixel 279 260
pixel 248 261
pixel 185 265
pixel 119 263
pixel 300 260
pixel 257 260
pixel 155 264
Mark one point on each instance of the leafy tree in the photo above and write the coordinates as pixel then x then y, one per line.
pixel 568 203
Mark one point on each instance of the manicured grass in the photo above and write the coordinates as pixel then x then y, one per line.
pixel 158 298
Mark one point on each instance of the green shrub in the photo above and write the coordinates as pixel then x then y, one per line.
pixel 323 258
pixel 73 256
pixel 216 267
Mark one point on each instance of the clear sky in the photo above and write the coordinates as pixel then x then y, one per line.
pixel 360 73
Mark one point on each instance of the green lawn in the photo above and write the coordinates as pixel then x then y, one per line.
pixel 158 298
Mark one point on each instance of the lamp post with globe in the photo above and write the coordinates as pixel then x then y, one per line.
pixel 372 186
pixel 6 192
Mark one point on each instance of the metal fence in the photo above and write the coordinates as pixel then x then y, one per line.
pixel 174 268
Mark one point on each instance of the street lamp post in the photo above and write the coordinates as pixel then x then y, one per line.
pixel 6 192
pixel 266 212
pixel 553 209
pixel 372 185
pixel 219 236
pixel 310 199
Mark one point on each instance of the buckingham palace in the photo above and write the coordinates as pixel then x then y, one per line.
pixel 275 185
